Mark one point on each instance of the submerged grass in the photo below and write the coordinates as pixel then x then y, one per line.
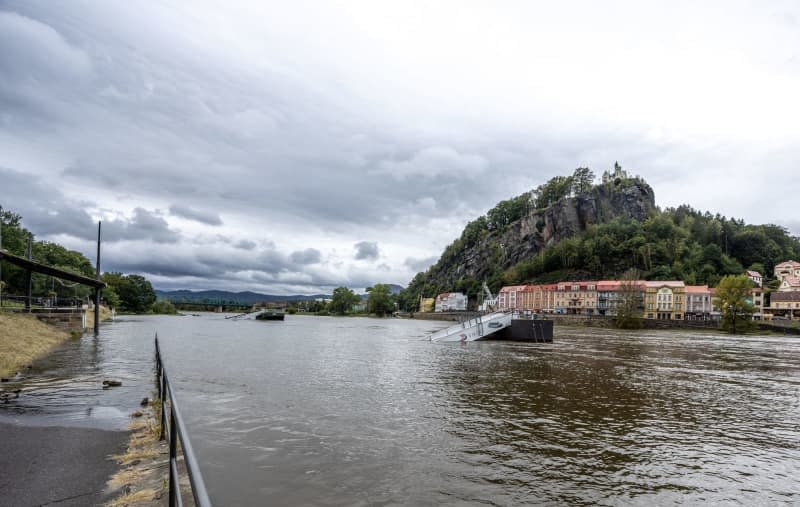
pixel 145 463
pixel 23 338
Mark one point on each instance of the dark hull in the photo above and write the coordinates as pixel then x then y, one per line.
pixel 270 316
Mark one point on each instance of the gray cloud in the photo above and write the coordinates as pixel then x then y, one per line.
pixel 318 136
pixel 418 265
pixel 204 217
pixel 246 244
pixel 144 225
pixel 307 256
pixel 366 250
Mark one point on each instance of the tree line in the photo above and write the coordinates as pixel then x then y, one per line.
pixel 125 292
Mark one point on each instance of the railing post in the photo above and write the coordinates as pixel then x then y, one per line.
pixel 173 460
pixel 163 385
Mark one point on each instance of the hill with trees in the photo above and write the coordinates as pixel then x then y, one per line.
pixel 570 228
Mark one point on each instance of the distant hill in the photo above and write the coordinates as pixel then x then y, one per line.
pixel 246 297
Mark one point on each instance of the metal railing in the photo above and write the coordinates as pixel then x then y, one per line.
pixel 175 432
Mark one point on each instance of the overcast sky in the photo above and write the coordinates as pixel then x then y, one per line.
pixel 292 147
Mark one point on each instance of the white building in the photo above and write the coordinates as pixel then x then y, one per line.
pixel 755 276
pixel 451 302
pixel 787 268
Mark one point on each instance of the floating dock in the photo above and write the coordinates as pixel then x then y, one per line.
pixel 496 326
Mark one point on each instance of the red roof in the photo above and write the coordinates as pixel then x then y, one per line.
pixel 755 274
pixel 793 264
pixel 697 289
pixel 792 281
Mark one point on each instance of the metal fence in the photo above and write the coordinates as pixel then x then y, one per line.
pixel 176 432
pixel 23 303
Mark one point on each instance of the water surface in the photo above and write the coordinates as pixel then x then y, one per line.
pixel 354 411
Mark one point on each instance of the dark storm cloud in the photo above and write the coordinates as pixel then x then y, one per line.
pixel 366 250
pixel 47 212
pixel 318 135
pixel 202 216
pixel 144 225
pixel 307 256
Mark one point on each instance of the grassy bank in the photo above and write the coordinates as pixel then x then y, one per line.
pixel 23 338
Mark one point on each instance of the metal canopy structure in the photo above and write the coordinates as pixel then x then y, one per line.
pixel 38 267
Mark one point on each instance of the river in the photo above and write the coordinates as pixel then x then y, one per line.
pixel 357 411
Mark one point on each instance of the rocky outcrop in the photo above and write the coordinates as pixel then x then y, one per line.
pixel 539 229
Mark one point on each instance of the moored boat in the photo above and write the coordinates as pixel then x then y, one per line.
pixel 271 314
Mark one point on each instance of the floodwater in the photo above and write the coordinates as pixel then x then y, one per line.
pixel 354 411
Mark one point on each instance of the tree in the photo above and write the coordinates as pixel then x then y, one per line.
pixel 733 298
pixel 380 300
pixel 164 307
pixel 135 292
pixel 549 193
pixel 343 300
pixel 630 304
pixel 582 180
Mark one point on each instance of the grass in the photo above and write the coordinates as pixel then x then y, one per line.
pixel 23 338
pixel 141 496
pixel 145 463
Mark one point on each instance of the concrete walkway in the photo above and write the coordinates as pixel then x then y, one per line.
pixel 56 466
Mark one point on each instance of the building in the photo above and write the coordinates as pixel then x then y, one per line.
pixel 787 268
pixel 665 300
pixel 451 302
pixel 785 304
pixel 790 284
pixel 608 296
pixel 576 298
pixel 756 277
pixel 426 304
pixel 757 300
pixel 510 297
pixel 698 302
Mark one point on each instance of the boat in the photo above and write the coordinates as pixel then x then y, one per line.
pixel 271 314
pixel 477 328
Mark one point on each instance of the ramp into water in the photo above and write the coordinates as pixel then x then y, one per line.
pixel 473 329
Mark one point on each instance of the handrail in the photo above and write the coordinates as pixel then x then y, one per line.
pixel 174 433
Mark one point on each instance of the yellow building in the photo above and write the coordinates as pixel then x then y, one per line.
pixel 426 304
pixel 665 300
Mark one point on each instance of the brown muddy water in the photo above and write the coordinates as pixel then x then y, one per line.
pixel 354 411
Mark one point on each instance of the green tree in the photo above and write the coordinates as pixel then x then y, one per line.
pixel 549 193
pixel 163 307
pixel 630 305
pixel 343 300
pixel 733 298
pixel 380 300
pixel 582 180
pixel 110 297
pixel 135 292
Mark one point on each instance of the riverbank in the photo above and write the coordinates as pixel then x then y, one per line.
pixel 23 338
pixel 145 463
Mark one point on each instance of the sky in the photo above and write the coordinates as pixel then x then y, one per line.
pixel 294 147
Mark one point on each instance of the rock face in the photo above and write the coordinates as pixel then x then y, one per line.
pixel 539 229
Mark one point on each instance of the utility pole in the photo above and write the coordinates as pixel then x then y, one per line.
pixel 97 290
pixel 29 274
pixel 1 266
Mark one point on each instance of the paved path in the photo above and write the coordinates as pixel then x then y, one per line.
pixel 56 466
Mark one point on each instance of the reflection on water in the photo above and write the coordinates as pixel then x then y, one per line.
pixel 330 411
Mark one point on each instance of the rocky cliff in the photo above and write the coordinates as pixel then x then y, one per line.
pixel 537 229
